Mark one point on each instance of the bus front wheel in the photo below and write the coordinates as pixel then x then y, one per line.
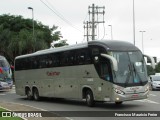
pixel 89 98
pixel 118 103
pixel 36 94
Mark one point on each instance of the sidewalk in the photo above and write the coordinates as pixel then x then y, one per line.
pixel 20 107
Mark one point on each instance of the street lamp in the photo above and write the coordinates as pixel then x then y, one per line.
pixel 133 25
pixel 111 32
pixel 33 25
pixel 142 41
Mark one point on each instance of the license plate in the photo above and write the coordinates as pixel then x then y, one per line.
pixel 135 96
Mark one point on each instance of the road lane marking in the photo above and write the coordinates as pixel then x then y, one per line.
pixel 12 91
pixel 68 118
pixel 152 95
pixel 148 101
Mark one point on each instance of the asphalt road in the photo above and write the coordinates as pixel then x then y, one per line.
pixel 66 106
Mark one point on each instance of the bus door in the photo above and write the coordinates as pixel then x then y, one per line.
pixel 103 68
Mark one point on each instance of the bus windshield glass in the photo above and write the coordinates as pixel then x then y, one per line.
pixel 131 68
pixel 3 63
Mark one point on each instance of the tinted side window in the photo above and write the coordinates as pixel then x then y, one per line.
pixel 59 59
pixel 83 56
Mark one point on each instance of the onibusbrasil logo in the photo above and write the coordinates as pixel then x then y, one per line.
pixel 21 114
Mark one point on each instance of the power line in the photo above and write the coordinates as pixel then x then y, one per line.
pixel 59 15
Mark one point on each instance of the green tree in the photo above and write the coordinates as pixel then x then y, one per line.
pixel 150 70
pixel 157 69
pixel 16 36
pixel 60 43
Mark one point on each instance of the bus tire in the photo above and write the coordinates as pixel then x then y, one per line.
pixel 29 94
pixel 36 94
pixel 118 103
pixel 89 98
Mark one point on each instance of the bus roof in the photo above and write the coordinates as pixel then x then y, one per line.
pixel 53 50
pixel 2 58
pixel 108 44
pixel 115 45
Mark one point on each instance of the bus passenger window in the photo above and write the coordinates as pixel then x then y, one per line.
pixel 50 63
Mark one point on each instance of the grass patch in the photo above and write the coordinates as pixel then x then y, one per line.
pixel 8 118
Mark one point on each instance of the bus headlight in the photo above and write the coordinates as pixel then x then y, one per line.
pixel 119 91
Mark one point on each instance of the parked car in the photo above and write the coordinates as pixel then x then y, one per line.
pixel 4 85
pixel 10 82
pixel 155 82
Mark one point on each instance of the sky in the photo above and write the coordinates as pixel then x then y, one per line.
pixel 69 16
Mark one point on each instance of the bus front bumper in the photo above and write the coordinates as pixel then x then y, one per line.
pixel 130 96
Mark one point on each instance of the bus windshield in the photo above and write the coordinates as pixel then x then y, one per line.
pixel 131 68
pixel 3 63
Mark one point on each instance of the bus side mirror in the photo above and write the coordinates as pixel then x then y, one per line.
pixel 152 60
pixel 113 60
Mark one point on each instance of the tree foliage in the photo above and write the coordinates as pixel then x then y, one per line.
pixel 157 69
pixel 16 36
pixel 152 71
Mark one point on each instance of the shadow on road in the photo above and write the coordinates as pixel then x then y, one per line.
pixel 101 105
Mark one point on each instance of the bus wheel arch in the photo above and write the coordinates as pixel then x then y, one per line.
pixel 28 93
pixel 35 93
pixel 88 95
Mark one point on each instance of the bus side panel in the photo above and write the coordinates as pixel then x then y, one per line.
pixel 63 82
pixel 72 78
pixel 75 77
pixel 102 89
pixel 42 82
pixel 19 83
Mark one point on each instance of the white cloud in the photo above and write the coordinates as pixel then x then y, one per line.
pixel 118 13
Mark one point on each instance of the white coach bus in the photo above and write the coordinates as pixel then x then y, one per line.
pixel 108 71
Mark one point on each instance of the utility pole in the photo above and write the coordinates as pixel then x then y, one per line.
pixel 95 11
pixel 134 41
pixel 142 41
pixel 87 30
pixel 93 21
pixel 33 27
pixel 111 32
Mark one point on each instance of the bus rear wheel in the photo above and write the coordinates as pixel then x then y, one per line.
pixel 36 94
pixel 89 98
pixel 29 94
